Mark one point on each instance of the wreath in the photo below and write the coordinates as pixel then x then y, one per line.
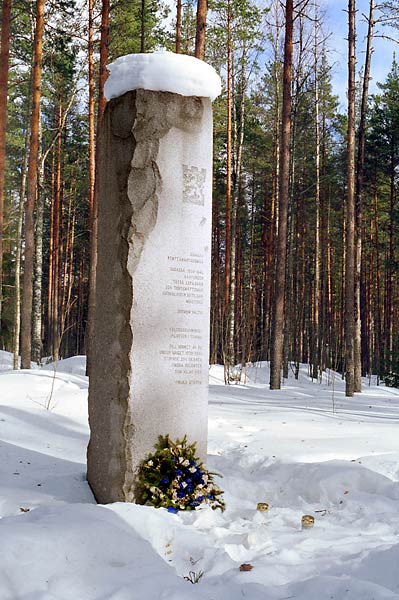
pixel 174 478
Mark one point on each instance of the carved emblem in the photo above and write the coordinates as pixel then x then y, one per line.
pixel 193 185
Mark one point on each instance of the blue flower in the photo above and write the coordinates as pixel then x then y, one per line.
pixel 194 503
pixel 190 487
pixel 164 481
pixel 200 498
pixel 172 509
pixel 192 462
pixel 210 497
pixel 188 480
pixel 181 494
pixel 179 472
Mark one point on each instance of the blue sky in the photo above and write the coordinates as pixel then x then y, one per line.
pixel 336 22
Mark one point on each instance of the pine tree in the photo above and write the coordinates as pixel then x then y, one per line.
pixel 281 248
pixel 4 66
pixel 350 211
pixel 26 309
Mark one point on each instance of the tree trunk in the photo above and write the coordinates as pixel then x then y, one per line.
pixel 103 73
pixel 236 218
pixel 18 252
pixel 57 238
pixel 4 65
pixel 324 337
pixel 378 307
pixel 358 204
pixel 178 26
pixel 50 284
pixel 26 309
pixel 250 306
pixel 38 268
pixel 92 91
pixel 273 223
pixel 142 33
pixel 281 249
pixel 271 206
pixel 216 295
pixel 316 316
pixel 350 210
pixel 104 42
pixel 228 237
pixel 228 165
pixel 202 9
pixel 68 260
pixel 92 171
pixel 390 273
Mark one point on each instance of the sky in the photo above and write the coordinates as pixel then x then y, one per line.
pixel 336 22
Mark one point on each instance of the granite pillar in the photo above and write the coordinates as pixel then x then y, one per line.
pixel 149 374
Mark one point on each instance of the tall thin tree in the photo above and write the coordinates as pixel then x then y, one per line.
pixel 92 160
pixel 281 246
pixel 142 33
pixel 4 66
pixel 178 26
pixel 202 10
pixel 18 255
pixel 104 43
pixel 26 308
pixel 228 238
pixel 350 209
pixel 359 200
pixel 316 315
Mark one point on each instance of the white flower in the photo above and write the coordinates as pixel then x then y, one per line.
pixel 186 463
pixel 153 490
pixel 192 470
pixel 184 484
pixel 150 463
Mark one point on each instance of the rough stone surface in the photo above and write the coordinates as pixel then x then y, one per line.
pixel 150 355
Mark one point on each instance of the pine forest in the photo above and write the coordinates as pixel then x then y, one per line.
pixel 305 234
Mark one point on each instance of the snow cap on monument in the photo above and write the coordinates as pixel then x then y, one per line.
pixel 162 72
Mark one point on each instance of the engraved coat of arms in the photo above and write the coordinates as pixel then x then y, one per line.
pixel 193 185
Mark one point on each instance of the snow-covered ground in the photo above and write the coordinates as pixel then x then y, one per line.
pixel 287 448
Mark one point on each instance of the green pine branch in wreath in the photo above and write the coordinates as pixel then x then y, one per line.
pixel 174 478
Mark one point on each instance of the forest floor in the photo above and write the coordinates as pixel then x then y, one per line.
pixel 305 449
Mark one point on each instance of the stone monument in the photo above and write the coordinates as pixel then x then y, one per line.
pixel 149 374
